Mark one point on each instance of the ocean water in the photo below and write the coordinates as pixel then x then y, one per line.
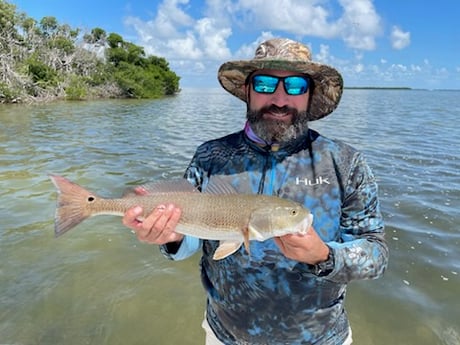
pixel 99 285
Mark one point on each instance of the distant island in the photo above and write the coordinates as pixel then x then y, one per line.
pixel 393 88
pixel 378 87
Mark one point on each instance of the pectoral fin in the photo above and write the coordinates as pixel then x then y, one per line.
pixel 253 233
pixel 225 249
pixel 246 236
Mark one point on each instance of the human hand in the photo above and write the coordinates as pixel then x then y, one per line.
pixel 158 227
pixel 308 248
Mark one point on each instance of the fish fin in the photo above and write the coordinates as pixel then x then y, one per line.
pixel 252 232
pixel 225 249
pixel 216 184
pixel 172 186
pixel 246 240
pixel 71 204
pixel 259 220
pixel 135 191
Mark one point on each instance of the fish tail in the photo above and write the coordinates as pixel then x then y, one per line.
pixel 71 205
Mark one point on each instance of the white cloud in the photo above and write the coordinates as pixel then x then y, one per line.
pixel 360 24
pixel 294 16
pixel 246 51
pixel 323 55
pixel 213 38
pixel 359 68
pixel 175 34
pixel 195 37
pixel 184 48
pixel 399 38
pixel 170 18
pixel 199 67
pixel 374 69
pixel 357 25
pixel 398 68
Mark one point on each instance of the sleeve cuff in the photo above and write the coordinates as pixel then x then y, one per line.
pixel 187 248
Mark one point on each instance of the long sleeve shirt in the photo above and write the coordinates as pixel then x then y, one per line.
pixel 264 297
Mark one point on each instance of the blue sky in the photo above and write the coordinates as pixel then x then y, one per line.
pixel 371 42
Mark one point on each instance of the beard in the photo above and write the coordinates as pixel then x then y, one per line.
pixel 278 131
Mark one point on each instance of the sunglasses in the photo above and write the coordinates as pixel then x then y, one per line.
pixel 293 85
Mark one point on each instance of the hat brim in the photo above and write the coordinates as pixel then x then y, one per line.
pixel 327 81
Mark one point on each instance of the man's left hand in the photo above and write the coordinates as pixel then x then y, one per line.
pixel 308 248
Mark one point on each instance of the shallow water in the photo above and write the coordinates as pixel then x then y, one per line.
pixel 99 285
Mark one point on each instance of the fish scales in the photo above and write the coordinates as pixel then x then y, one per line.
pixel 216 216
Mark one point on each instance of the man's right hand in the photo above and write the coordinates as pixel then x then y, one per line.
pixel 158 227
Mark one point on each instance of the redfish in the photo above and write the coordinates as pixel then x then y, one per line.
pixel 219 213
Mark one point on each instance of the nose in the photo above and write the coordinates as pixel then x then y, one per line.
pixel 280 97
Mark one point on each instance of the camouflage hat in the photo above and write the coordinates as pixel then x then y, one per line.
pixel 285 54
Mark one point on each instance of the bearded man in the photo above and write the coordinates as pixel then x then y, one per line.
pixel 290 289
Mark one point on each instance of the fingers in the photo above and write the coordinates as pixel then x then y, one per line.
pixel 308 248
pixel 140 190
pixel 156 228
pixel 280 244
pixel 131 218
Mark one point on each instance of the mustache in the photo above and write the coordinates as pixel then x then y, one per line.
pixel 281 110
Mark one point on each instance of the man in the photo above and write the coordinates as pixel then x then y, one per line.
pixel 289 290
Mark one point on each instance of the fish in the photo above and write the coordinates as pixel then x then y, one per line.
pixel 218 213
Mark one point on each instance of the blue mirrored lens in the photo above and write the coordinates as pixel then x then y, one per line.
pixel 265 83
pixel 293 85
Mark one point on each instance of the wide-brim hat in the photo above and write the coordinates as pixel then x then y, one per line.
pixel 289 55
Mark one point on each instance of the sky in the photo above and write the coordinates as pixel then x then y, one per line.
pixel 378 43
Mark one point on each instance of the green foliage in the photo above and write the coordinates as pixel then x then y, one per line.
pixel 49 25
pixel 7 95
pixel 170 83
pixel 116 55
pixel 100 74
pixel 28 24
pixel 7 15
pixel 63 44
pixel 98 36
pixel 136 54
pixel 137 75
pixel 159 62
pixel 77 89
pixel 46 59
pixel 41 73
pixel 114 40
pixel 136 83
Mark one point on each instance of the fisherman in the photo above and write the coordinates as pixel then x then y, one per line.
pixel 289 290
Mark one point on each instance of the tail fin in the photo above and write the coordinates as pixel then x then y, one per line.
pixel 71 204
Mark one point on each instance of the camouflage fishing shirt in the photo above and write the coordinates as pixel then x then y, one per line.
pixel 266 298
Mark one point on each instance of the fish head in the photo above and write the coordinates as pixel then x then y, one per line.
pixel 278 221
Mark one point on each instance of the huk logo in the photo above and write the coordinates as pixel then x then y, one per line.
pixel 310 182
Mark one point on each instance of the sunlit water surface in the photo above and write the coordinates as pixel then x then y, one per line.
pixel 99 285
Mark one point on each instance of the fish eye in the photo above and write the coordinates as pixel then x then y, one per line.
pixel 91 198
pixel 293 212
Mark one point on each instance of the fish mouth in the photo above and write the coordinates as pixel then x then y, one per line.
pixel 305 224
